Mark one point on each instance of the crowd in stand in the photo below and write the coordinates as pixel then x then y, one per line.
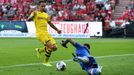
pixel 128 13
pixel 15 9
pixel 63 10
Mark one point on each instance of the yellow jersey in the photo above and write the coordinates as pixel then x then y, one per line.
pixel 41 19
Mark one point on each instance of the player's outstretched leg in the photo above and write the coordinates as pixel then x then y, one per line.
pixel 94 71
pixel 100 69
pixel 50 47
pixel 47 56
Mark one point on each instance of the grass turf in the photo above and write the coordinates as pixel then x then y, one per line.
pixel 19 51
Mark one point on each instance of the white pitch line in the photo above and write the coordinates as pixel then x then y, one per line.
pixel 31 64
pixel 108 56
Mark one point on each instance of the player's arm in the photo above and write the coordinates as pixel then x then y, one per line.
pixel 54 27
pixel 31 16
pixel 64 42
pixel 69 40
pixel 84 59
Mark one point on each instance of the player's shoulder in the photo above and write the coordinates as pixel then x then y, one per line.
pixel 35 11
pixel 76 44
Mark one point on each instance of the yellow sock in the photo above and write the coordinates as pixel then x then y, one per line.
pixel 46 59
pixel 47 55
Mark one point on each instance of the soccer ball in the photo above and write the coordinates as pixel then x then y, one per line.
pixel 61 66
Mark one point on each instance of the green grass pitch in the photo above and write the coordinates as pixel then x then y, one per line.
pixel 18 57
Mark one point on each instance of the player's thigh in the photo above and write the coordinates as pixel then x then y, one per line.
pixel 52 43
pixel 42 37
pixel 47 39
pixel 52 40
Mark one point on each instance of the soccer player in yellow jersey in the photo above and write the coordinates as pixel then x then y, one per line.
pixel 41 20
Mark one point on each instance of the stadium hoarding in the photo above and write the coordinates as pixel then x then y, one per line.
pixel 69 29
pixel 12 28
pixel 77 29
pixel 16 29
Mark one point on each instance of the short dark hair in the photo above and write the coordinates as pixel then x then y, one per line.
pixel 87 45
pixel 41 2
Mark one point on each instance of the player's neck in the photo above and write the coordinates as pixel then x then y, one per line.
pixel 40 10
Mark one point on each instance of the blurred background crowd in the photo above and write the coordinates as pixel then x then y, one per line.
pixel 66 10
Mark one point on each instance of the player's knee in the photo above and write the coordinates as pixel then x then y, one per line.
pixel 54 48
pixel 51 46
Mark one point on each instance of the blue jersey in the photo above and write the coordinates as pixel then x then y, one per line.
pixel 82 51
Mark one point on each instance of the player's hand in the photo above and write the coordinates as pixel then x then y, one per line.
pixel 63 44
pixel 59 31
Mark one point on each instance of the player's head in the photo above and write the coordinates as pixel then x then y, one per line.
pixel 87 45
pixel 41 6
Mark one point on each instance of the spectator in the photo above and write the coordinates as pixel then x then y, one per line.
pixel 15 18
pixel 67 14
pixel 54 17
pixel 98 1
pixel 15 6
pixel 112 24
pixel 125 22
pixel 4 9
pixel 83 6
pixel 80 1
pixel 58 1
pixel 76 7
pixel 108 17
pixel 112 2
pixel 50 11
pixel 107 6
pixel 6 1
pixel 89 17
pixel 48 6
pixel 5 16
pixel 11 13
pixel 13 1
pixel 64 2
pixel 98 17
pixel 0 15
pixel 100 5
pixel 1 1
